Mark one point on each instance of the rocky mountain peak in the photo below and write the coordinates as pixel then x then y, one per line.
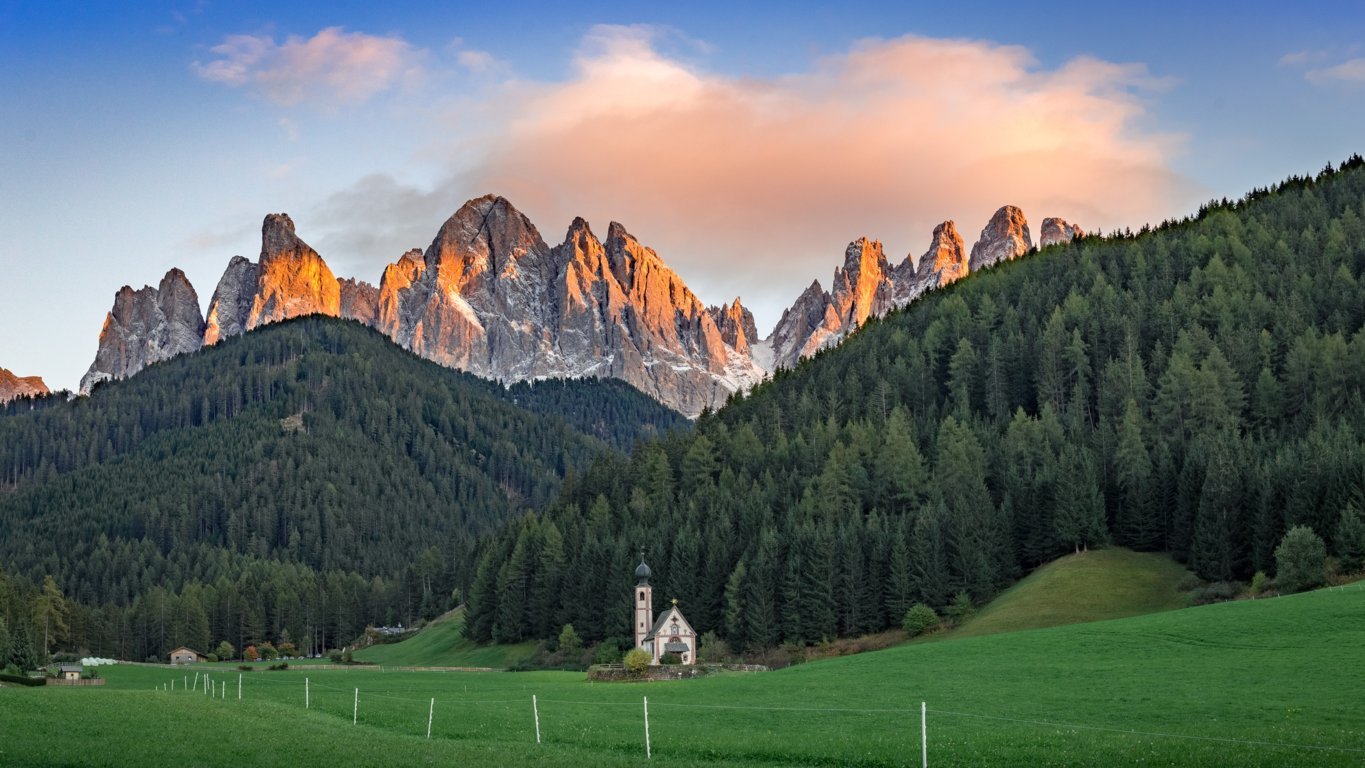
pixel 944 262
pixel 12 386
pixel 482 244
pixel 147 326
pixel 1006 236
pixel 277 235
pixel 292 279
pixel 1055 230
pixel 231 302
pixel 736 325
pixel 811 323
pixel 862 288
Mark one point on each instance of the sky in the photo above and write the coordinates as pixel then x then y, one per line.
pixel 747 143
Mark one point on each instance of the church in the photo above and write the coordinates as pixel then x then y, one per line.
pixel 670 633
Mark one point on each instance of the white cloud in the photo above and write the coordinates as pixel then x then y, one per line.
pixel 1350 71
pixel 333 67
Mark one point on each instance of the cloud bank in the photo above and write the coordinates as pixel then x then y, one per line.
pixel 333 67
pixel 753 186
pixel 735 180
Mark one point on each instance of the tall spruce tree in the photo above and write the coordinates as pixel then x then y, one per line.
pixel 1079 518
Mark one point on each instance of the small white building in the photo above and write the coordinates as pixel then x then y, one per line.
pixel 671 633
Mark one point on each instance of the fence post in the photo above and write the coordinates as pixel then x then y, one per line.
pixel 535 710
pixel 430 711
pixel 239 686
pixel 355 707
pixel 648 756
pixel 306 701
pixel 924 733
pixel 196 682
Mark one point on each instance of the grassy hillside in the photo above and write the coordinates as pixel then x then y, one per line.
pixel 1091 586
pixel 1251 683
pixel 442 644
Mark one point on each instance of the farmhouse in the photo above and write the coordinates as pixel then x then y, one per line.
pixel 183 655
pixel 671 633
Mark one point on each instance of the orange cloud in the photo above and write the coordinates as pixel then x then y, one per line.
pixel 333 67
pixel 755 185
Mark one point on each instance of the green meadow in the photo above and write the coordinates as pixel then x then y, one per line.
pixel 1272 682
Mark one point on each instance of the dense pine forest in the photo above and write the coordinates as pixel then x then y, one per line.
pixel 300 481
pixel 1195 389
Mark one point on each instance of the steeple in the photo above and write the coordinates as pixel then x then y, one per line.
pixel 642 572
pixel 644 603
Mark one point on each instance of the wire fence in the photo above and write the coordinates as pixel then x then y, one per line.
pixel 794 732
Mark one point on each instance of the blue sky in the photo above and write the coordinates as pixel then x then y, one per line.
pixel 747 143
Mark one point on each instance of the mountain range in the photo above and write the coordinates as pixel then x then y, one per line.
pixel 491 297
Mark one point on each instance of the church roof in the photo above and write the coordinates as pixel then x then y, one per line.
pixel 642 573
pixel 663 619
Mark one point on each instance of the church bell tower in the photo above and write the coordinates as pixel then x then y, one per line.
pixel 644 603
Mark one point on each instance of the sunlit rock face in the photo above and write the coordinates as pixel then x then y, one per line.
pixel 1005 237
pixel 147 326
pixel 293 280
pixel 290 280
pixel 1056 230
pixel 12 386
pixel 865 286
pixel 491 297
pixel 736 325
pixel 945 261
pixel 359 301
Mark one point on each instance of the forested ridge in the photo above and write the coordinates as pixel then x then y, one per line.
pixel 1196 389
pixel 302 480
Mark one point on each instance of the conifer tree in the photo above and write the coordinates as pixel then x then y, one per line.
pixel 1080 509
pixel 50 613
pixel 1217 550
pixel 1139 526
pixel 929 557
pixel 1350 539
pixel 899 580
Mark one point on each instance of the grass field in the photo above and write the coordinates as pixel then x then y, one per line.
pixel 1255 683
pixel 442 644
pixel 1102 584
